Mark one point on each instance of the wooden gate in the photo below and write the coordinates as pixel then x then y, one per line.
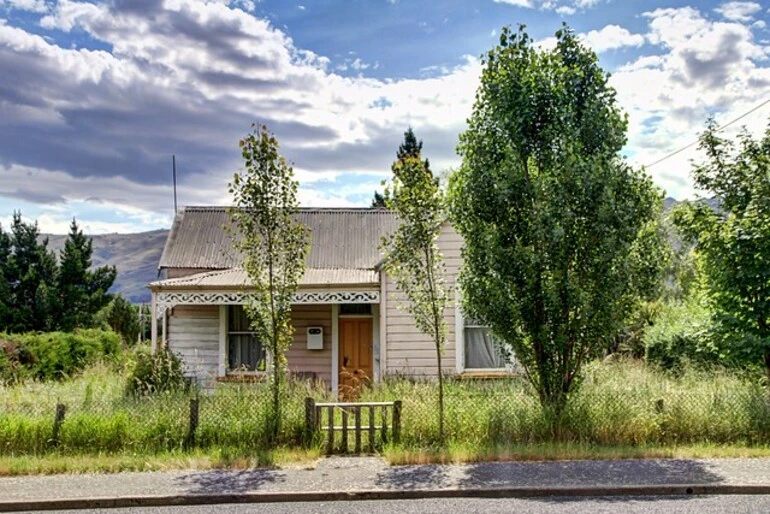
pixel 373 424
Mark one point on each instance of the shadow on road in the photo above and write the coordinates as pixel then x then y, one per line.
pixel 413 477
pixel 588 473
pixel 230 481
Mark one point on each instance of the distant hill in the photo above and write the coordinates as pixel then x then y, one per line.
pixel 136 257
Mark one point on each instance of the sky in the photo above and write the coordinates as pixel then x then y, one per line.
pixel 95 97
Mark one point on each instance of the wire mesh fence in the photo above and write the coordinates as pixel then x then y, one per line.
pixel 483 414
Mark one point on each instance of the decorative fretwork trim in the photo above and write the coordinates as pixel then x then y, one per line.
pixel 167 300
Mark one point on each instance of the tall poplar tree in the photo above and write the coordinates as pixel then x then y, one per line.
pixel 552 216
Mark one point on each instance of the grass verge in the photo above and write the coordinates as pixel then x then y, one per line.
pixel 198 460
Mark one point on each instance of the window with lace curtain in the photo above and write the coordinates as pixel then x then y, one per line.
pixel 245 352
pixel 478 349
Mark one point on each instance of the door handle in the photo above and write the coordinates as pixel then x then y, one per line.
pixel 345 361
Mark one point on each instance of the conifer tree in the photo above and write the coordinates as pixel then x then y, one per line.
pixel 82 292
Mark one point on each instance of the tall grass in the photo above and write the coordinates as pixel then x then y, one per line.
pixel 625 404
pixel 618 404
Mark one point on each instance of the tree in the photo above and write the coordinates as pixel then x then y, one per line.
pixel 5 288
pixel 121 317
pixel 30 274
pixel 733 241
pixel 82 291
pixel 412 256
pixel 273 244
pixel 550 213
pixel 410 147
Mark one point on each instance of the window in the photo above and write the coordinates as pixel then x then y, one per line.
pixel 477 349
pixel 348 309
pixel 244 351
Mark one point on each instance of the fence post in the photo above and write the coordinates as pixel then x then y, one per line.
pixel 371 429
pixel 330 441
pixel 384 428
pixel 58 419
pixel 397 421
pixel 194 412
pixel 357 413
pixel 310 421
pixel 344 443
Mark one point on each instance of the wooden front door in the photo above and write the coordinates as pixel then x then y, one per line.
pixel 355 354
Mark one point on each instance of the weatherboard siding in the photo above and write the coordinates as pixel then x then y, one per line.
pixel 193 334
pixel 408 350
pixel 299 358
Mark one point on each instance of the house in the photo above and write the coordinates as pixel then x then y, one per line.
pixel 346 310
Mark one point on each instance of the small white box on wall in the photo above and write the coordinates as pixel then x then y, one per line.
pixel 315 338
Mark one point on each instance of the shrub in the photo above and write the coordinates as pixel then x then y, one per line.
pixel 54 355
pixel 122 317
pixel 684 331
pixel 158 372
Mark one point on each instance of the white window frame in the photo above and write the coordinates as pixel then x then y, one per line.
pixel 460 347
pixel 226 356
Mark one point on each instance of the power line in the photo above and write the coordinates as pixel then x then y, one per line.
pixel 719 129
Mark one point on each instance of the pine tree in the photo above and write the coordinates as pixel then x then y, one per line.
pixel 410 148
pixel 82 293
pixel 30 274
pixel 5 289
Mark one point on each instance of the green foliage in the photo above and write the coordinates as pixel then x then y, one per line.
pixel 410 147
pixel 37 293
pixel 54 355
pixel 683 333
pixel 733 243
pixel 162 371
pixel 557 226
pixel 412 256
pixel 273 244
pixel 29 270
pixel 81 291
pixel 121 317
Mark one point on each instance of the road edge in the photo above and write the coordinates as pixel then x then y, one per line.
pixel 378 494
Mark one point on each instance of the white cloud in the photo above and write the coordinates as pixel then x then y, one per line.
pixel 705 68
pixel 188 78
pixel 739 11
pixel 26 5
pixel 612 37
pixel 563 7
pixel 518 3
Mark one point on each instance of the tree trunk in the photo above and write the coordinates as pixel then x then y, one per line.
pixel 767 366
pixel 276 414
pixel 440 395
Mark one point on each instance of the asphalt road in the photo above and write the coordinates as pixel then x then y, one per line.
pixel 653 504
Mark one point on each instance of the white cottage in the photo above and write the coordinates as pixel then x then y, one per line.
pixel 346 311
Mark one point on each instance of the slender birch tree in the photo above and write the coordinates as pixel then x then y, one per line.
pixel 412 256
pixel 273 244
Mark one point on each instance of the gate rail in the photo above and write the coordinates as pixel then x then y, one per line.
pixel 336 417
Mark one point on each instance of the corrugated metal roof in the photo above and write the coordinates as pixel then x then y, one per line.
pixel 340 238
pixel 236 278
